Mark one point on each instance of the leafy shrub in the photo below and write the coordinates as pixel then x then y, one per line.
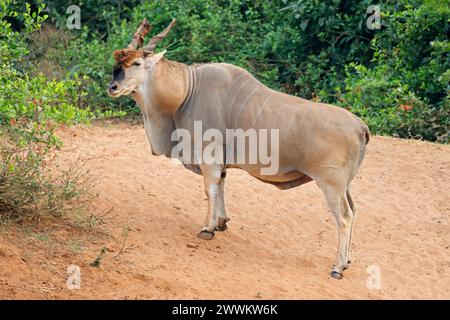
pixel 29 108
pixel 41 99
pixel 32 99
pixel 30 190
pixel 405 91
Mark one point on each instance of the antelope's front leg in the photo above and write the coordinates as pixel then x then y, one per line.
pixel 212 178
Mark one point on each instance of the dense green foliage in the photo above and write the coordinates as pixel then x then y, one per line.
pixel 396 77
pixel 29 107
pixel 404 90
pixel 28 103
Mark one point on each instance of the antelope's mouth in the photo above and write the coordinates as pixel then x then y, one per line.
pixel 123 92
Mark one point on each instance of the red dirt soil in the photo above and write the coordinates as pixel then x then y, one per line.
pixel 279 245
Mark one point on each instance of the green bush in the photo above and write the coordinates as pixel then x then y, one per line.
pixel 29 108
pixel 41 100
pixel 405 90
pixel 29 190
pixel 34 100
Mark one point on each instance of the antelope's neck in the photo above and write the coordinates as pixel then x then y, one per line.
pixel 169 86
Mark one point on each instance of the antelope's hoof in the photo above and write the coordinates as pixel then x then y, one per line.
pixel 222 227
pixel 347 265
pixel 336 275
pixel 206 235
pixel 222 224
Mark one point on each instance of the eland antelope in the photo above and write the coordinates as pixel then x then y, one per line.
pixel 316 141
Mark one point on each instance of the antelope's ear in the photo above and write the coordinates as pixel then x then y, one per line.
pixel 155 59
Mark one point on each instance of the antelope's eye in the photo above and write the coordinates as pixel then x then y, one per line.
pixel 137 64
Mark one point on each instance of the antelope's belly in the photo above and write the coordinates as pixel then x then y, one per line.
pixel 281 176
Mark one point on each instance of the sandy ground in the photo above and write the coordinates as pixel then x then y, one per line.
pixel 279 245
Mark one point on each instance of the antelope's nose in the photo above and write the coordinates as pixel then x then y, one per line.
pixel 113 86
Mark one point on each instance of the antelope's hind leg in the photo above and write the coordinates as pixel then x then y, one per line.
pixel 353 208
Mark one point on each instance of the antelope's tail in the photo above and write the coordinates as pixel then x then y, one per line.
pixel 366 131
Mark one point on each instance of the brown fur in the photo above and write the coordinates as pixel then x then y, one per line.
pixel 126 57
